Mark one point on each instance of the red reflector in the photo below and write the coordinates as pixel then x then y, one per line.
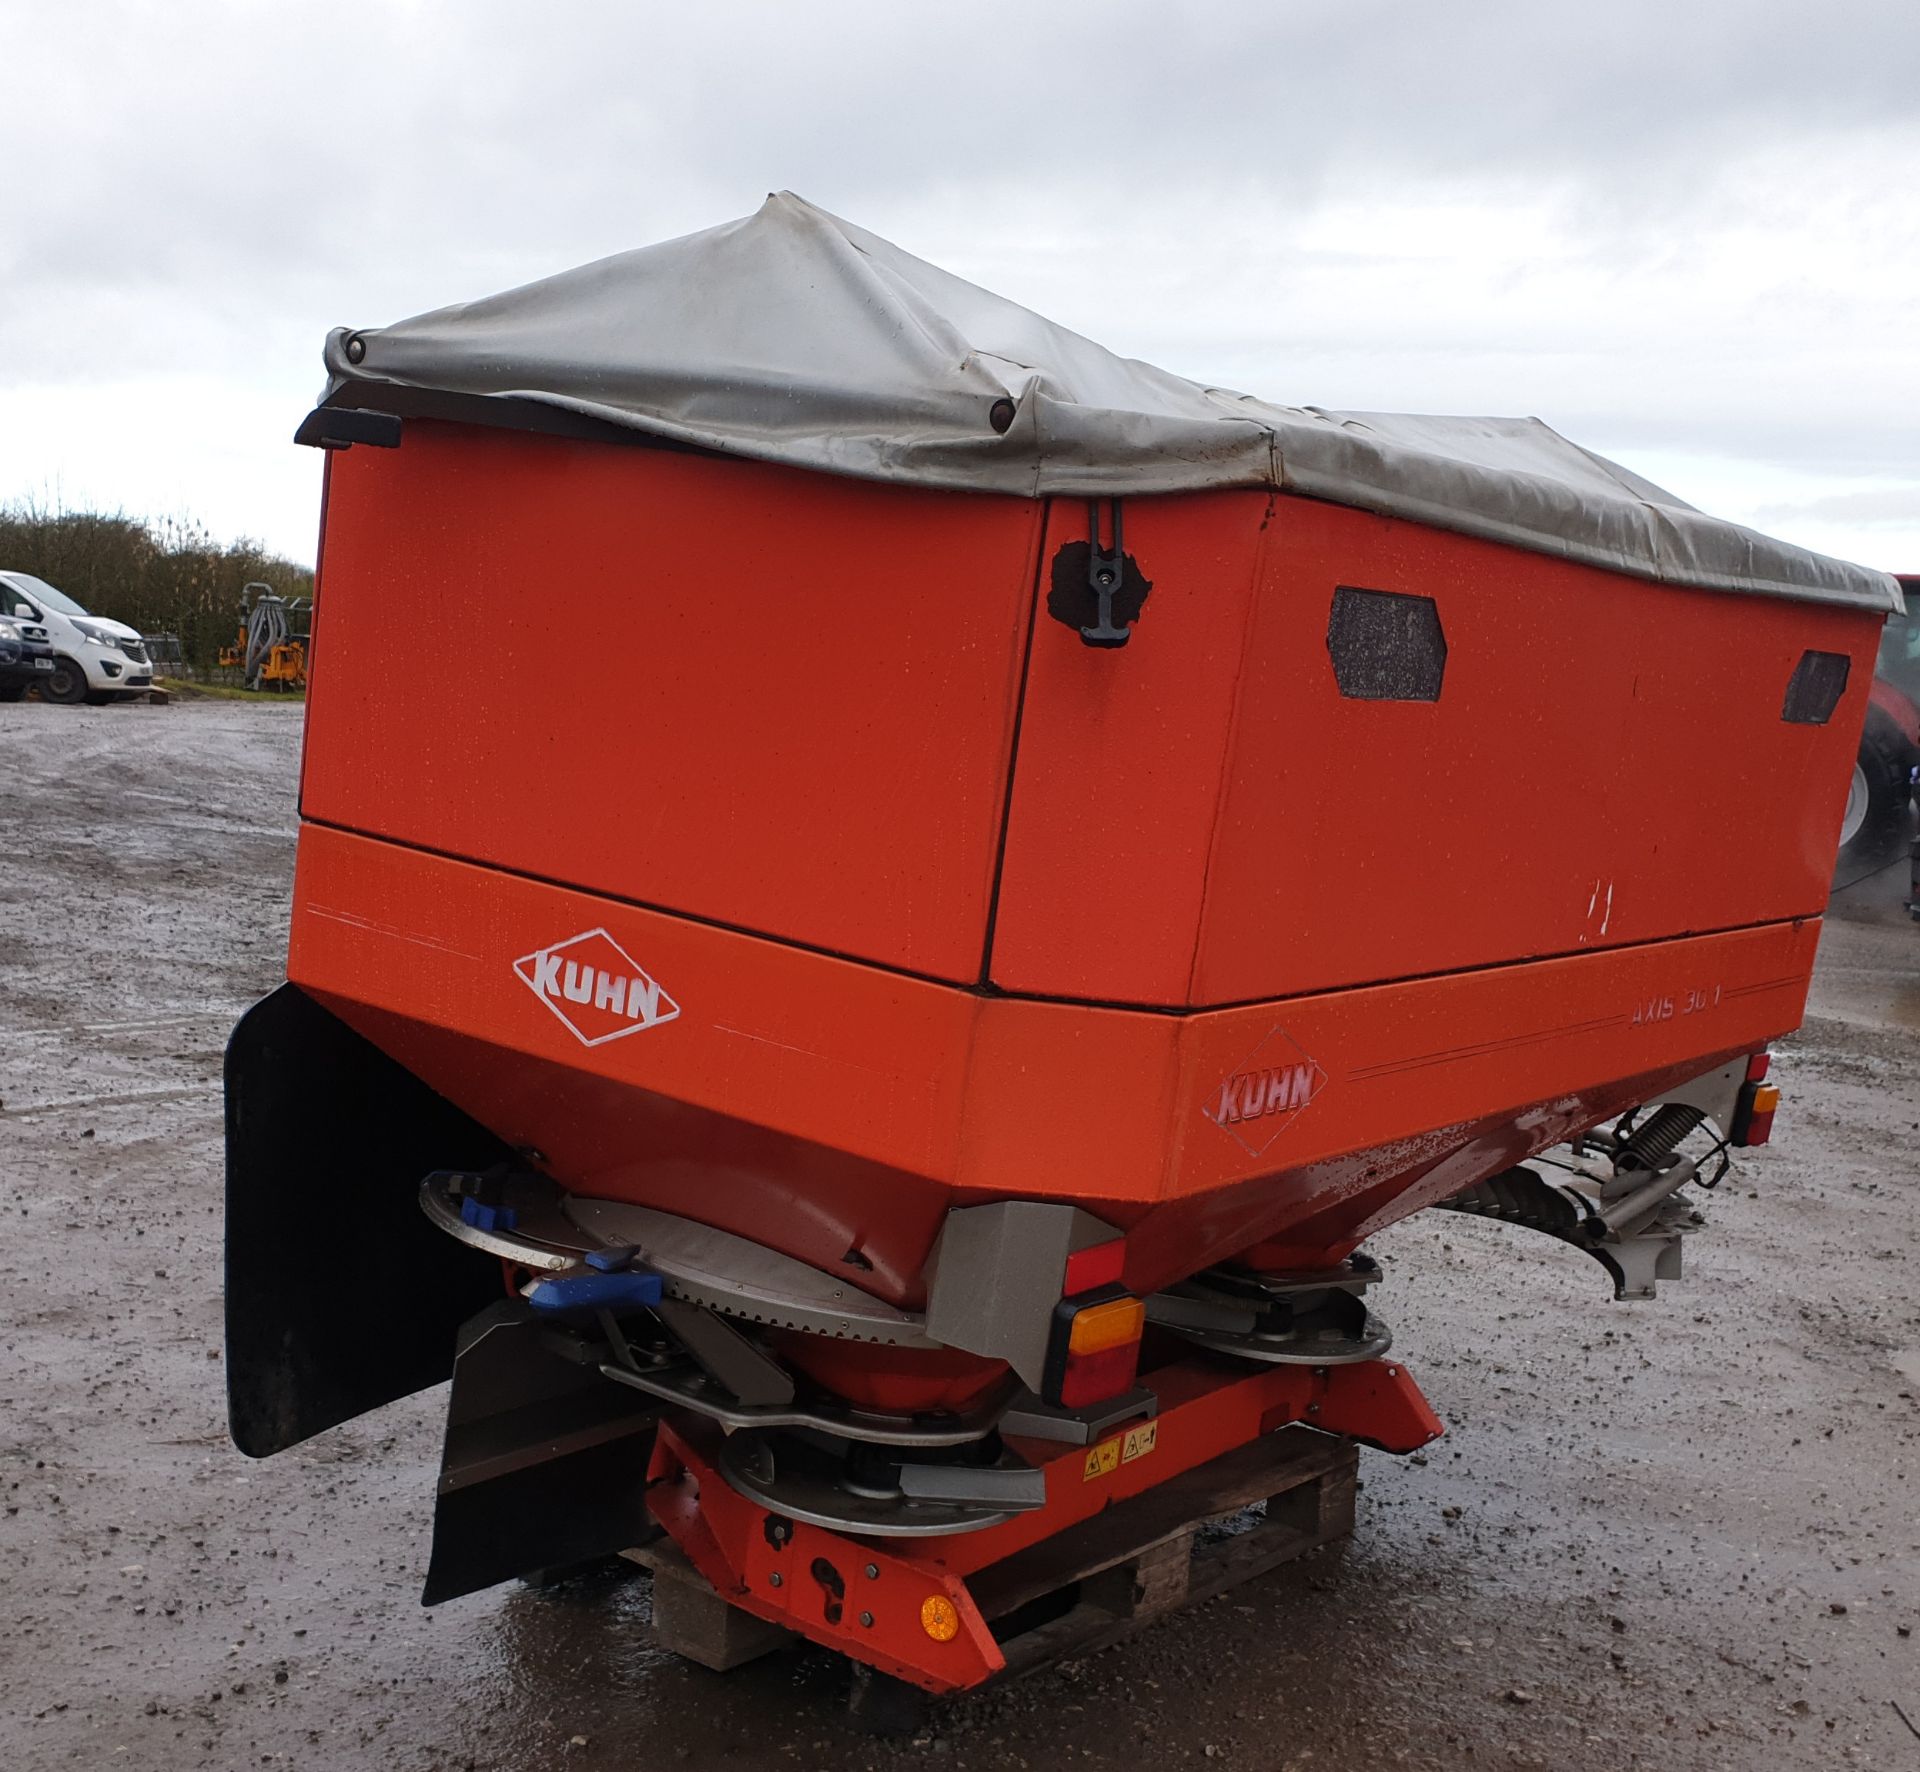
pixel 1757 1067
pixel 1098 1264
pixel 1093 1378
pixel 1760 1128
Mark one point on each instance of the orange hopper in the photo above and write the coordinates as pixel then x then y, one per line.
pixel 957 872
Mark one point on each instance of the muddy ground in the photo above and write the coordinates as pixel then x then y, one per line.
pixel 1678 1534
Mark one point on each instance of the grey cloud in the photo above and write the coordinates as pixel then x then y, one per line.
pixel 198 192
pixel 1896 506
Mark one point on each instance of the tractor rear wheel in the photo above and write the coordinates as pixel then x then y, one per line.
pixel 1875 823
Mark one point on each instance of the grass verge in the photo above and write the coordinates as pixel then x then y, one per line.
pixel 225 691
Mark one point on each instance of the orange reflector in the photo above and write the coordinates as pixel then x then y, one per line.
pixel 940 1618
pixel 1765 1099
pixel 1100 1326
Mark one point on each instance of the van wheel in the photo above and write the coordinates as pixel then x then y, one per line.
pixel 65 683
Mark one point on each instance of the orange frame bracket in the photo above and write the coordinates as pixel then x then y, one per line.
pixel 903 1605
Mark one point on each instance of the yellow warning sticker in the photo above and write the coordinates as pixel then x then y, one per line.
pixel 1107 1457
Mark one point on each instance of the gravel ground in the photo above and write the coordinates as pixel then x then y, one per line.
pixel 1678 1534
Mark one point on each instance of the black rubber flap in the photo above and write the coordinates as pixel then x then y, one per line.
pixel 341 1296
pixel 545 1465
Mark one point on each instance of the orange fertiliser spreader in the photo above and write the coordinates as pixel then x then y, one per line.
pixel 926 931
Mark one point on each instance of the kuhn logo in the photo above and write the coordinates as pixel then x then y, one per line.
pixel 1263 1094
pixel 596 987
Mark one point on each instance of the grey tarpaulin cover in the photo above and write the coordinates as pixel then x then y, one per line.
pixel 792 336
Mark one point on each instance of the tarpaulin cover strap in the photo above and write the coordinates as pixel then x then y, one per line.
pixel 792 336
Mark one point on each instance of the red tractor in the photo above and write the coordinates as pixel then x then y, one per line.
pixel 1876 816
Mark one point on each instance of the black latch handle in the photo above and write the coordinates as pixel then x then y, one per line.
pixel 340 427
pixel 1105 573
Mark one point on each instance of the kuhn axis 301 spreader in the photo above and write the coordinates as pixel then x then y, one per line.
pixel 878 1055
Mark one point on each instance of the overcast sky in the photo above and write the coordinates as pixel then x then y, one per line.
pixel 1685 234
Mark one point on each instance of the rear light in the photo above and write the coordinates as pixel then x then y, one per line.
pixel 1753 1118
pixel 1757 1067
pixel 1093 1352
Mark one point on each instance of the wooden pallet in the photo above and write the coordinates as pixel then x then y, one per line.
pixel 1184 1542
pixel 1191 1539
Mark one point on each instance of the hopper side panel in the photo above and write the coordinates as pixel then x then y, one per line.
pixel 1605 764
pixel 775 700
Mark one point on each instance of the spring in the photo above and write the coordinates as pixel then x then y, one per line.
pixel 1650 1144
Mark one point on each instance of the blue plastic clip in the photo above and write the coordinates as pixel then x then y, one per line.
pixel 630 1289
pixel 611 1261
pixel 487 1218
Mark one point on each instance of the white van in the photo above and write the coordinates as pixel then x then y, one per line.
pixel 94 659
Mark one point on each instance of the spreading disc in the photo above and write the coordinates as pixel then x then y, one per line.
pixel 729 1274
